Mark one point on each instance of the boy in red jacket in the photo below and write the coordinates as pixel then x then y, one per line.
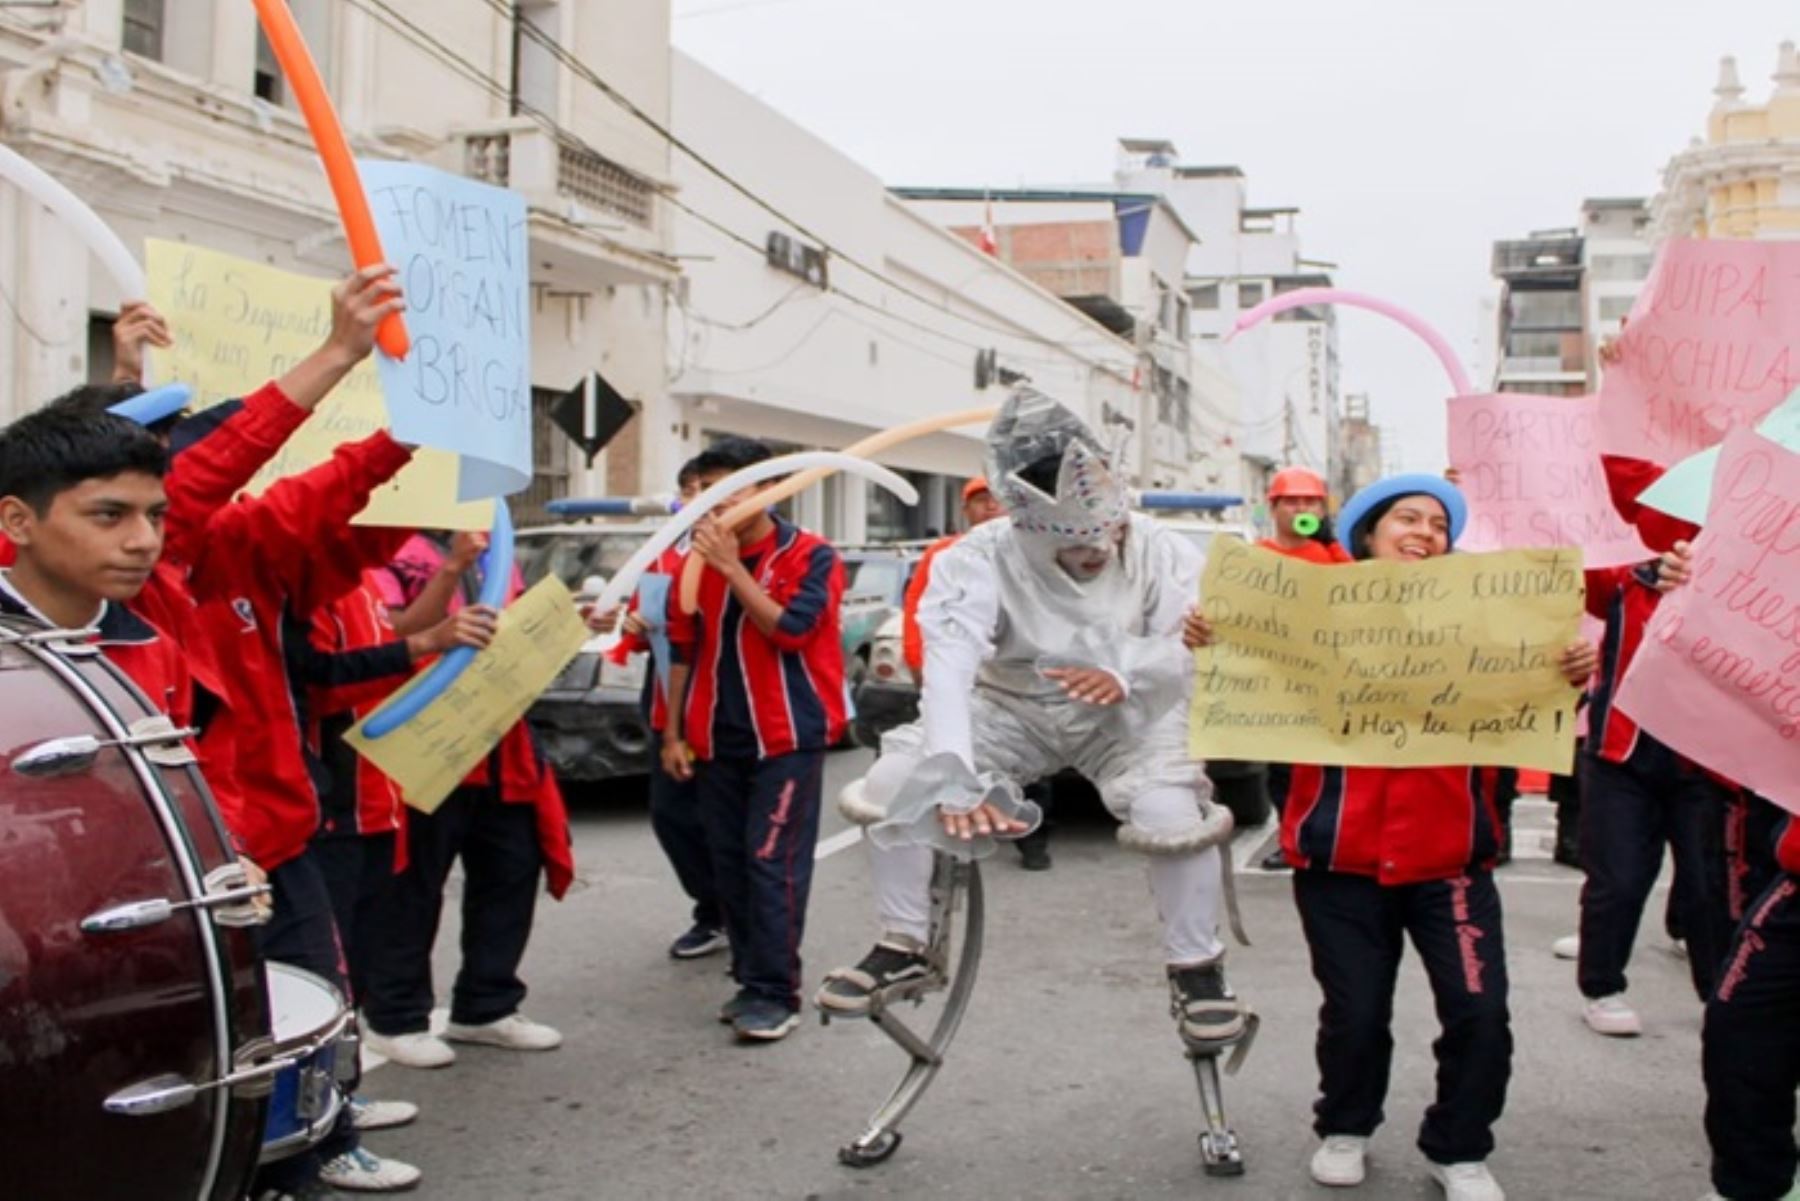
pixel 506 823
pixel 756 696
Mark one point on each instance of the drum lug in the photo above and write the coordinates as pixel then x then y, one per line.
pixel 161 740
pixel 230 906
pixel 160 1094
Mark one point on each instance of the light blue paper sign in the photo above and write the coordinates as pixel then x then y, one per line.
pixel 1685 489
pixel 653 608
pixel 465 387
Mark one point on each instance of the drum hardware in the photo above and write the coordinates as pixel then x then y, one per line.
pixel 249 1077
pixel 75 638
pixel 134 915
pixel 76 753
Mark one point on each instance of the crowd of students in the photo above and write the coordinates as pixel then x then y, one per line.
pixel 268 623
pixel 271 624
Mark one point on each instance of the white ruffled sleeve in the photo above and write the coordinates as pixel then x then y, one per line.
pixel 959 618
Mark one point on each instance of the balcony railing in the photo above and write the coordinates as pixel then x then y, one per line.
pixel 526 157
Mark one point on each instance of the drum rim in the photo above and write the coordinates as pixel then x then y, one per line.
pixel 318 1037
pixel 186 862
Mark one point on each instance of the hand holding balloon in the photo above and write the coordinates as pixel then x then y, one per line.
pixel 497 567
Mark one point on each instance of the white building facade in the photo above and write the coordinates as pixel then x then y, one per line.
pixel 827 309
pixel 1287 400
pixel 171 120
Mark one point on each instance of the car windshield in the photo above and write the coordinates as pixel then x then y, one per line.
pixel 876 577
pixel 572 558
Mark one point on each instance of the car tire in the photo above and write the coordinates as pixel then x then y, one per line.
pixel 1247 797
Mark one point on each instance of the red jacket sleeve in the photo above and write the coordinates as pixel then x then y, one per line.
pixel 1626 480
pixel 1603 587
pixel 818 598
pixel 278 535
pixel 912 639
pixel 206 477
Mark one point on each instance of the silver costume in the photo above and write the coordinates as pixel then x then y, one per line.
pixel 1000 610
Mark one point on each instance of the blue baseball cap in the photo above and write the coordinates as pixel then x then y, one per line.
pixel 1379 495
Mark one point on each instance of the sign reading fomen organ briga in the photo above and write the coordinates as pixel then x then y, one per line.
pixel 1449 661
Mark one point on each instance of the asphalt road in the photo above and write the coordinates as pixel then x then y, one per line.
pixel 1066 1080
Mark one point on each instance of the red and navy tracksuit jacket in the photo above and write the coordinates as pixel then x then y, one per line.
pixel 250 566
pixel 1401 825
pixel 755 696
pixel 1625 598
pixel 524 776
pixel 354 662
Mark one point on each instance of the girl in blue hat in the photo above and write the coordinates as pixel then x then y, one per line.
pixel 1384 854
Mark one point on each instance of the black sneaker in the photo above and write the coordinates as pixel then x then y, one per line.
pixel 1203 1005
pixel 894 962
pixel 728 1012
pixel 1275 861
pixel 1034 856
pixel 764 1021
pixel 697 942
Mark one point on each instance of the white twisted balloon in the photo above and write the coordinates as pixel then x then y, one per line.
pixel 96 234
pixel 625 582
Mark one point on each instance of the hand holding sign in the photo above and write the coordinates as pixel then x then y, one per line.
pixel 1718 675
pixel 461 251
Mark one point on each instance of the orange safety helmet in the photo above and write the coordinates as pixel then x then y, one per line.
pixel 1297 481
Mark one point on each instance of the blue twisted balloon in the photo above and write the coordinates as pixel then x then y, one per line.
pixel 147 408
pixel 496 576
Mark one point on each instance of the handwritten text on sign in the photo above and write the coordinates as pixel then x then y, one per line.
pixel 464 261
pixel 1713 344
pixel 429 756
pixel 1444 662
pixel 239 324
pixel 1718 676
pixel 1530 467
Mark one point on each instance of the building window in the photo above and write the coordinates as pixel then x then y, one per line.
pixel 534 82
pixel 143 28
pixel 550 455
pixel 1205 296
pixel 268 84
pixel 1620 267
pixel 1251 293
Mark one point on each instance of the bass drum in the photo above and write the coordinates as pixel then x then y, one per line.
pixel 134 1030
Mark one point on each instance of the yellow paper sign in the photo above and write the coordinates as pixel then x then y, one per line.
pixel 1445 662
pixel 431 754
pixel 239 324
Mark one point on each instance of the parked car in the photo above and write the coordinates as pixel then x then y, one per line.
pixel 589 721
pixel 888 696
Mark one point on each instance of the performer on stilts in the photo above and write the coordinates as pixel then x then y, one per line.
pixel 1052 641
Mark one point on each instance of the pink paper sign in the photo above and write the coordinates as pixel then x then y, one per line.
pixel 1712 345
pixel 1718 675
pixel 1530 467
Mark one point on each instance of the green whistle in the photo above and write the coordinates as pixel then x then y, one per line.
pixel 1306 525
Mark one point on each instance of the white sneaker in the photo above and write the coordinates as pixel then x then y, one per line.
pixel 1567 947
pixel 417 1050
pixel 381 1115
pixel 515 1032
pixel 1339 1160
pixel 1467 1182
pixel 1678 948
pixel 363 1171
pixel 1613 1016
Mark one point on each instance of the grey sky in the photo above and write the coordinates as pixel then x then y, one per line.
pixel 1411 133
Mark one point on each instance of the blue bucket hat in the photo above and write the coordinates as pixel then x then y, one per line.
pixel 1367 504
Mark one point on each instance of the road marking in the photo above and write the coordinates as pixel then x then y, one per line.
pixel 843 840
